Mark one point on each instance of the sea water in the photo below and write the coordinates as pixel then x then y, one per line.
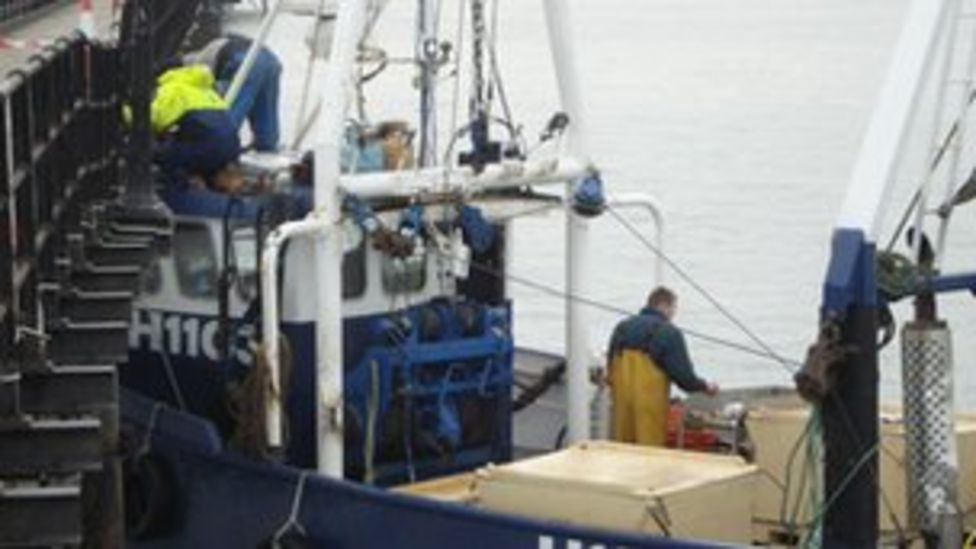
pixel 744 119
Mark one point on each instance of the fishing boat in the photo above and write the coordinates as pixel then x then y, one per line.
pixel 330 360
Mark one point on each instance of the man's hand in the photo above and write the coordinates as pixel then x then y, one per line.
pixel 711 388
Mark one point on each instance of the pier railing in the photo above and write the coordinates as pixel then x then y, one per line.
pixel 12 9
pixel 58 151
pixel 75 235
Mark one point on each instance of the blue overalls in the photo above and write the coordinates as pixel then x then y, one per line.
pixel 257 101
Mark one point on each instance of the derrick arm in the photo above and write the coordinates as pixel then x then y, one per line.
pixel 841 373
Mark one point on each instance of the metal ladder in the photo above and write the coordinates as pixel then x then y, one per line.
pixel 64 322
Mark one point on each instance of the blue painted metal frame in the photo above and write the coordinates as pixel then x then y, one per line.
pixel 951 283
pixel 850 411
pixel 851 274
pixel 429 379
pixel 488 353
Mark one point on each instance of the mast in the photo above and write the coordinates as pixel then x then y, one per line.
pixel 561 44
pixel 841 373
pixel 350 25
pixel 427 59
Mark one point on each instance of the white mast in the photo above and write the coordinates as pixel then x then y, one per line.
pixel 577 228
pixel 336 92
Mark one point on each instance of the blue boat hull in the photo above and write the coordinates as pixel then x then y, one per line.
pixel 221 500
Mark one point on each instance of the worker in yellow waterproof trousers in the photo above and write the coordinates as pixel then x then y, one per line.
pixel 647 353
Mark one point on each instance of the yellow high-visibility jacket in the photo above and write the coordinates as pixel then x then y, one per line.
pixel 181 90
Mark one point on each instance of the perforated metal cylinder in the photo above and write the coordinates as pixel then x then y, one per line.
pixel 932 461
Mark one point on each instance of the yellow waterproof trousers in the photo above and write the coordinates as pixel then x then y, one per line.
pixel 640 391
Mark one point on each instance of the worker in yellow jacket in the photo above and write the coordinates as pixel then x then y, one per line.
pixel 647 352
pixel 196 139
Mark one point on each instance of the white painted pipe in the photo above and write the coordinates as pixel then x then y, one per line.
pixel 463 179
pixel 336 91
pixel 651 205
pixel 871 180
pixel 562 47
pixel 271 318
pixel 252 54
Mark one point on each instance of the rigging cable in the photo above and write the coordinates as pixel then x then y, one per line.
pixel 701 290
pixel 310 64
pixel 556 292
pixel 934 165
pixel 496 76
pixel 455 101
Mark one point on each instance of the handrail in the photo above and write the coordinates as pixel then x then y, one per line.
pixel 14 9
pixel 39 104
pixel 40 110
pixel 650 204
pixel 270 317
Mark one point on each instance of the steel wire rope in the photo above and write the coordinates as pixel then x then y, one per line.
pixel 701 290
pixel 940 154
pixel 562 294
pixel 455 100
pixel 309 66
pixel 495 79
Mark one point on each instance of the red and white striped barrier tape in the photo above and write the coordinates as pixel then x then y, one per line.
pixel 24 43
pixel 86 18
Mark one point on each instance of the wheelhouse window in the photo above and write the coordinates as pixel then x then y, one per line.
pixel 245 249
pixel 196 260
